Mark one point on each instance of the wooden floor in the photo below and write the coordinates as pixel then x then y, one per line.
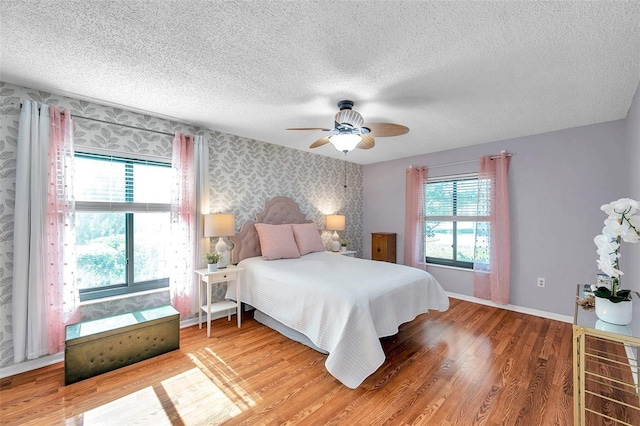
pixel 470 365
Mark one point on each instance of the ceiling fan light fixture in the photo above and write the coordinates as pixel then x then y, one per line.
pixel 350 131
pixel 345 142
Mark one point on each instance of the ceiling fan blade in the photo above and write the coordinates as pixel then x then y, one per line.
pixel 320 142
pixel 386 129
pixel 310 128
pixel 367 142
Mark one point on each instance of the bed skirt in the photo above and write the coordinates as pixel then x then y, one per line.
pixel 292 334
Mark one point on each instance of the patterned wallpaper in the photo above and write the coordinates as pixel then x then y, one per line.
pixel 243 174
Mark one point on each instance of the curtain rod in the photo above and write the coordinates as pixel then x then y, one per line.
pixel 122 125
pixel 493 157
pixel 115 124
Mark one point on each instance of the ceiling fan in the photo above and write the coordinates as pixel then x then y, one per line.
pixel 351 132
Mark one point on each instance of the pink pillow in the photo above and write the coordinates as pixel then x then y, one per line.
pixel 307 238
pixel 277 241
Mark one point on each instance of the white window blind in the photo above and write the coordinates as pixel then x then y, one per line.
pixel 456 220
pixel 121 185
pixel 456 198
pixel 122 224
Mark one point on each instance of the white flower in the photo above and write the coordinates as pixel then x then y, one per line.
pixel 608 268
pixel 606 243
pixel 625 205
pixel 606 253
pixel 607 208
pixel 630 236
pixel 608 256
pixel 614 228
pixel 616 208
pixel 601 240
pixel 623 224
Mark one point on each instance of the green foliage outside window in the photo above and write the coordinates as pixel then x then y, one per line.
pixel 121 246
pixel 453 236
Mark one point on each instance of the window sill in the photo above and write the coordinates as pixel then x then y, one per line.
pixel 455 268
pixel 123 296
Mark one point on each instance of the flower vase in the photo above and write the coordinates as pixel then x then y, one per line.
pixel 614 313
pixel 614 328
pixel 343 248
pixel 212 267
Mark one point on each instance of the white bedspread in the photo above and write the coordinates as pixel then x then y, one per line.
pixel 344 305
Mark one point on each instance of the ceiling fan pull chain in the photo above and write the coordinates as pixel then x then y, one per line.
pixel 345 172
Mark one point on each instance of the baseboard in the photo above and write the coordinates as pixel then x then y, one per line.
pixel 32 364
pixel 47 360
pixel 514 308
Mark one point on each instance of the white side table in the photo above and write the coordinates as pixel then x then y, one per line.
pixel 348 253
pixel 230 273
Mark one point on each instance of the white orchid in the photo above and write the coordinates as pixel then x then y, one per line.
pixel 608 268
pixel 608 257
pixel 631 237
pixel 614 228
pixel 623 224
pixel 623 205
pixel 606 245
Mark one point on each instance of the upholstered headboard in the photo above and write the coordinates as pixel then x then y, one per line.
pixel 276 211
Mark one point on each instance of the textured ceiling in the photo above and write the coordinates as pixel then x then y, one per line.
pixel 455 73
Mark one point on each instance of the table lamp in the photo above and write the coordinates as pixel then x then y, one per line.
pixel 335 223
pixel 220 225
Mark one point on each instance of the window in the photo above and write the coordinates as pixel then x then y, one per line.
pixel 456 223
pixel 122 225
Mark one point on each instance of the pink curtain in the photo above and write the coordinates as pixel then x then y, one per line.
pixel 183 224
pixel 62 296
pixel 492 280
pixel 414 226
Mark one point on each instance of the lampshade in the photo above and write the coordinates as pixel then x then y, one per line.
pixel 345 142
pixel 334 222
pixel 219 225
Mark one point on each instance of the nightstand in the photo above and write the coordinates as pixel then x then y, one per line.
pixel 383 246
pixel 348 253
pixel 207 279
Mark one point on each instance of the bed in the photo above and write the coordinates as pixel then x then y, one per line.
pixel 336 304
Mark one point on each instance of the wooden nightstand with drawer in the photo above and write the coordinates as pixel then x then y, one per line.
pixel 383 246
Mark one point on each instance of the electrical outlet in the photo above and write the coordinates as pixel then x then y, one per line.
pixel 541 282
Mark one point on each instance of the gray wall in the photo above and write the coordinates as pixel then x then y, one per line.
pixel 243 174
pixel 631 252
pixel 558 181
